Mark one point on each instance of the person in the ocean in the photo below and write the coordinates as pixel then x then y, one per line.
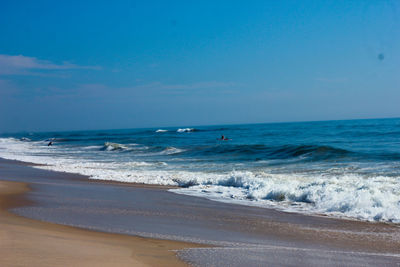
pixel 224 138
pixel 50 143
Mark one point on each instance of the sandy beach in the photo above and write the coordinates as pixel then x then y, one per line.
pixel 26 242
pixel 203 232
pixel 200 133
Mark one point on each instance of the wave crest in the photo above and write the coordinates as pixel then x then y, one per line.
pixel 346 195
pixel 259 151
pixel 186 130
pixel 171 150
pixel 108 146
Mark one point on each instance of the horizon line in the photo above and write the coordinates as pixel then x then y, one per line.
pixel 199 125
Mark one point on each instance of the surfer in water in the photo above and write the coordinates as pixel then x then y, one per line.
pixel 223 138
pixel 50 143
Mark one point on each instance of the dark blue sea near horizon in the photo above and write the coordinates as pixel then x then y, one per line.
pixel 345 169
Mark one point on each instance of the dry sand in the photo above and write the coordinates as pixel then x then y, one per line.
pixel 26 242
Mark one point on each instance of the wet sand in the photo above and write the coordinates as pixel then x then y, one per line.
pixel 241 235
pixel 26 242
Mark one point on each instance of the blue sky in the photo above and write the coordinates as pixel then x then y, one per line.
pixel 68 65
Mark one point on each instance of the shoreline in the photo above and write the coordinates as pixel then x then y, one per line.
pixel 36 243
pixel 146 211
pixel 86 178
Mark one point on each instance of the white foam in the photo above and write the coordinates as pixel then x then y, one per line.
pixel 372 199
pixel 166 151
pixel 114 146
pixel 342 194
pixel 185 130
pixel 161 131
pixel 171 150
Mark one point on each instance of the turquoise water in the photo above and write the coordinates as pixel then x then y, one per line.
pixel 338 168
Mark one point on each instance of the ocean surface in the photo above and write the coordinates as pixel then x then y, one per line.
pixel 345 169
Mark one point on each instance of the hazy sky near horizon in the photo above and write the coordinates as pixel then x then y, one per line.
pixel 69 65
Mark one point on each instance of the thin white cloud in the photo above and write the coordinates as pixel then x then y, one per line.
pixel 23 65
pixel 109 93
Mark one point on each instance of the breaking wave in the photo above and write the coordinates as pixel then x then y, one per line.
pixel 345 195
pixel 108 146
pixel 262 152
pixel 171 151
pixel 186 130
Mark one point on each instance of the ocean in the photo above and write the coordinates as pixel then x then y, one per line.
pixel 348 169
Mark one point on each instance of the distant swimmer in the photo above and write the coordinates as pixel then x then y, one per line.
pixel 224 138
pixel 50 143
